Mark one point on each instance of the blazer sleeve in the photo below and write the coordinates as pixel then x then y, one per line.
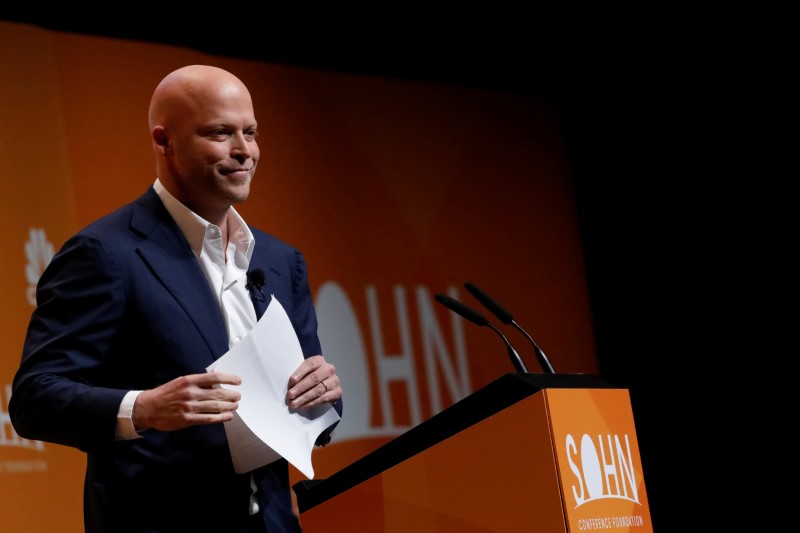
pixel 79 305
pixel 305 323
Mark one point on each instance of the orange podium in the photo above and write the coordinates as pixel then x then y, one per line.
pixel 528 452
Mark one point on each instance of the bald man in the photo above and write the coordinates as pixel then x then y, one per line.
pixel 134 307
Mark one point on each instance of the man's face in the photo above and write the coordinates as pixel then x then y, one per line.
pixel 214 150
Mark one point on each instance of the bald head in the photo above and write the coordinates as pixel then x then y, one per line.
pixel 190 86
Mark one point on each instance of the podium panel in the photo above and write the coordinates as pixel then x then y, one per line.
pixel 477 480
pixel 598 460
pixel 553 453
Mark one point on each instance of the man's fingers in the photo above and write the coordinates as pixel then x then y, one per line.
pixel 216 407
pixel 308 366
pixel 216 378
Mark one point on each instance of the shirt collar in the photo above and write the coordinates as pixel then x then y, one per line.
pixel 194 227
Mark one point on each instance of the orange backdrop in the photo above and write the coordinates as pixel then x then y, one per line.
pixel 394 190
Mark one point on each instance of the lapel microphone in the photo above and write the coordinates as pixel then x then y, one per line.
pixel 256 280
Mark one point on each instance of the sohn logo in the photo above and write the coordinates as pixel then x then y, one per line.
pixel 603 468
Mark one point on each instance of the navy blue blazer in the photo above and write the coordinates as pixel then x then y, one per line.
pixel 124 305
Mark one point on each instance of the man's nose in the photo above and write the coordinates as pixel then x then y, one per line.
pixel 241 148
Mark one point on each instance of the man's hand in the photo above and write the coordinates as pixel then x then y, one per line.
pixel 187 401
pixel 313 383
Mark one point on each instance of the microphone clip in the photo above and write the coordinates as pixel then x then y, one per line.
pixel 256 280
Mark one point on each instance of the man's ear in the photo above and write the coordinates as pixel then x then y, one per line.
pixel 160 138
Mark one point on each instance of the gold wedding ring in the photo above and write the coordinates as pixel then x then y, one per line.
pixel 324 385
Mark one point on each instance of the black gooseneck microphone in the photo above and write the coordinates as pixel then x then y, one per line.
pixel 506 318
pixel 477 318
pixel 255 280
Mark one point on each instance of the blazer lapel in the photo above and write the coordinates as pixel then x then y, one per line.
pixel 168 254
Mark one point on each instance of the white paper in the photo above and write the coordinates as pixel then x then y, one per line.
pixel 264 427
